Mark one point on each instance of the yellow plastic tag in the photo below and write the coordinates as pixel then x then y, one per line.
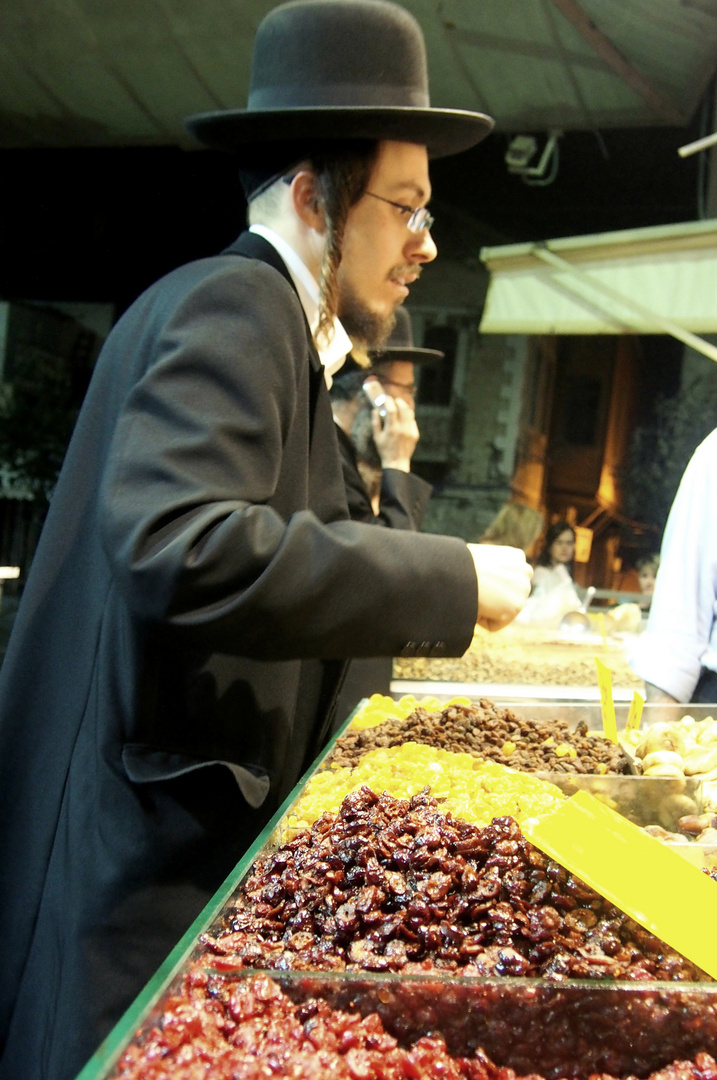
pixel 607 705
pixel 635 714
pixel 655 886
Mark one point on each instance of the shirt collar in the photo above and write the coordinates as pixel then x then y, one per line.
pixel 333 354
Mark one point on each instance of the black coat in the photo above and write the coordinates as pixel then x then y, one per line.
pixel 402 504
pixel 180 641
pixel 402 500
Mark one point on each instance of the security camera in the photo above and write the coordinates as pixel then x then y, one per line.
pixel 520 150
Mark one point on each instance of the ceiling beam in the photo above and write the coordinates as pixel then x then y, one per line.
pixel 605 49
pixel 571 77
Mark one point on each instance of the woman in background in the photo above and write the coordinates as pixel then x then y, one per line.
pixel 554 566
pixel 553 593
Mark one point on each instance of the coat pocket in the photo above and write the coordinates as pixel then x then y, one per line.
pixel 147 765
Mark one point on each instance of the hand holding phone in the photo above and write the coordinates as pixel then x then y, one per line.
pixel 395 431
pixel 376 394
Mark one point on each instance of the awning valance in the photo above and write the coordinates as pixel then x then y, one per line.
pixel 648 281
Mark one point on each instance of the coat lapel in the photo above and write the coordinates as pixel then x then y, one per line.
pixel 253 246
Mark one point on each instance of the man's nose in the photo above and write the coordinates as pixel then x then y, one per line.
pixel 423 249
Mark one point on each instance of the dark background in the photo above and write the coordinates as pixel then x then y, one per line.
pixel 102 224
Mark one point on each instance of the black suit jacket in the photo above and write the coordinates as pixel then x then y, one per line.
pixel 402 504
pixel 180 641
pixel 403 497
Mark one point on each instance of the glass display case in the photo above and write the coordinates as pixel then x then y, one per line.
pixel 573 1030
pixel 569 1029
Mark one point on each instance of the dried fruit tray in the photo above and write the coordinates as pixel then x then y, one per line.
pixel 599 1026
pixel 557 1030
pixel 571 1030
pixel 653 800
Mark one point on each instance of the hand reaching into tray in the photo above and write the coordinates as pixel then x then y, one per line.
pixel 504 577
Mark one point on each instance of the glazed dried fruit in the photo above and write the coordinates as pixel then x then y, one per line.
pixel 251 1029
pixel 471 788
pixel 397 885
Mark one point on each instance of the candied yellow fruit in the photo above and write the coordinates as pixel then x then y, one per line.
pixel 380 707
pixel 466 786
pixel 565 750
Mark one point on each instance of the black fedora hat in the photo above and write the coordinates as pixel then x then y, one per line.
pixel 399 345
pixel 339 69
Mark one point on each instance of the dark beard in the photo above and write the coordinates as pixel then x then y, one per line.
pixel 370 329
pixel 362 437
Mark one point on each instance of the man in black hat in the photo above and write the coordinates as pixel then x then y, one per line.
pixel 377 436
pixel 377 442
pixel 198 585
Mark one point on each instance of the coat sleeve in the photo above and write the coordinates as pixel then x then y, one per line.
pixel 187 520
pixel 404 498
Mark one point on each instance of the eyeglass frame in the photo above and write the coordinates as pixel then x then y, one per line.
pixel 420 219
pixel 410 388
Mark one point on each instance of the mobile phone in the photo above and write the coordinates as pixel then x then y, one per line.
pixel 376 395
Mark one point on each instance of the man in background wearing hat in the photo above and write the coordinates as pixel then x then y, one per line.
pixel 376 445
pixel 199 585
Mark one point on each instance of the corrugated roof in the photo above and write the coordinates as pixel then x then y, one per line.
pixel 125 72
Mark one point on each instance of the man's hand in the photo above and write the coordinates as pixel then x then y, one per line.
pixel 395 434
pixel 503 583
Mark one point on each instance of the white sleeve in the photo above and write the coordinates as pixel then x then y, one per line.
pixel 672 649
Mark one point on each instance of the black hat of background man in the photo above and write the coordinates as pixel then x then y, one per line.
pixel 399 346
pixel 339 69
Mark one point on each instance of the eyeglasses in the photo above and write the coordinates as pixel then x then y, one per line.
pixel 410 388
pixel 418 220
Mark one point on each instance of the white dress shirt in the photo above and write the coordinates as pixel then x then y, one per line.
pixel 681 634
pixel 334 352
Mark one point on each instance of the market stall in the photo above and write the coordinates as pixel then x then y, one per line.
pixel 395 919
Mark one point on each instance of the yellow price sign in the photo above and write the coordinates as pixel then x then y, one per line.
pixel 607 705
pixel 622 863
pixel 635 714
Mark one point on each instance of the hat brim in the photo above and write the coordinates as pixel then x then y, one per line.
pixel 442 131
pixel 412 355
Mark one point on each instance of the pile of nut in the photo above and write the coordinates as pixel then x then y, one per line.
pixel 397 885
pixel 685 747
pixel 522 657
pixel 682 749
pixel 490 731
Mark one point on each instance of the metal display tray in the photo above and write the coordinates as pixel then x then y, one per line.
pixel 589 712
pixel 653 800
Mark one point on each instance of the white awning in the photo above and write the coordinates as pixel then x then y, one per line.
pixel 647 281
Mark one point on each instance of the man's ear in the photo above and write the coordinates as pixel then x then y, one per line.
pixel 305 200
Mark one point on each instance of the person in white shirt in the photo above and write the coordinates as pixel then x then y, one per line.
pixel 677 653
pixel 553 593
